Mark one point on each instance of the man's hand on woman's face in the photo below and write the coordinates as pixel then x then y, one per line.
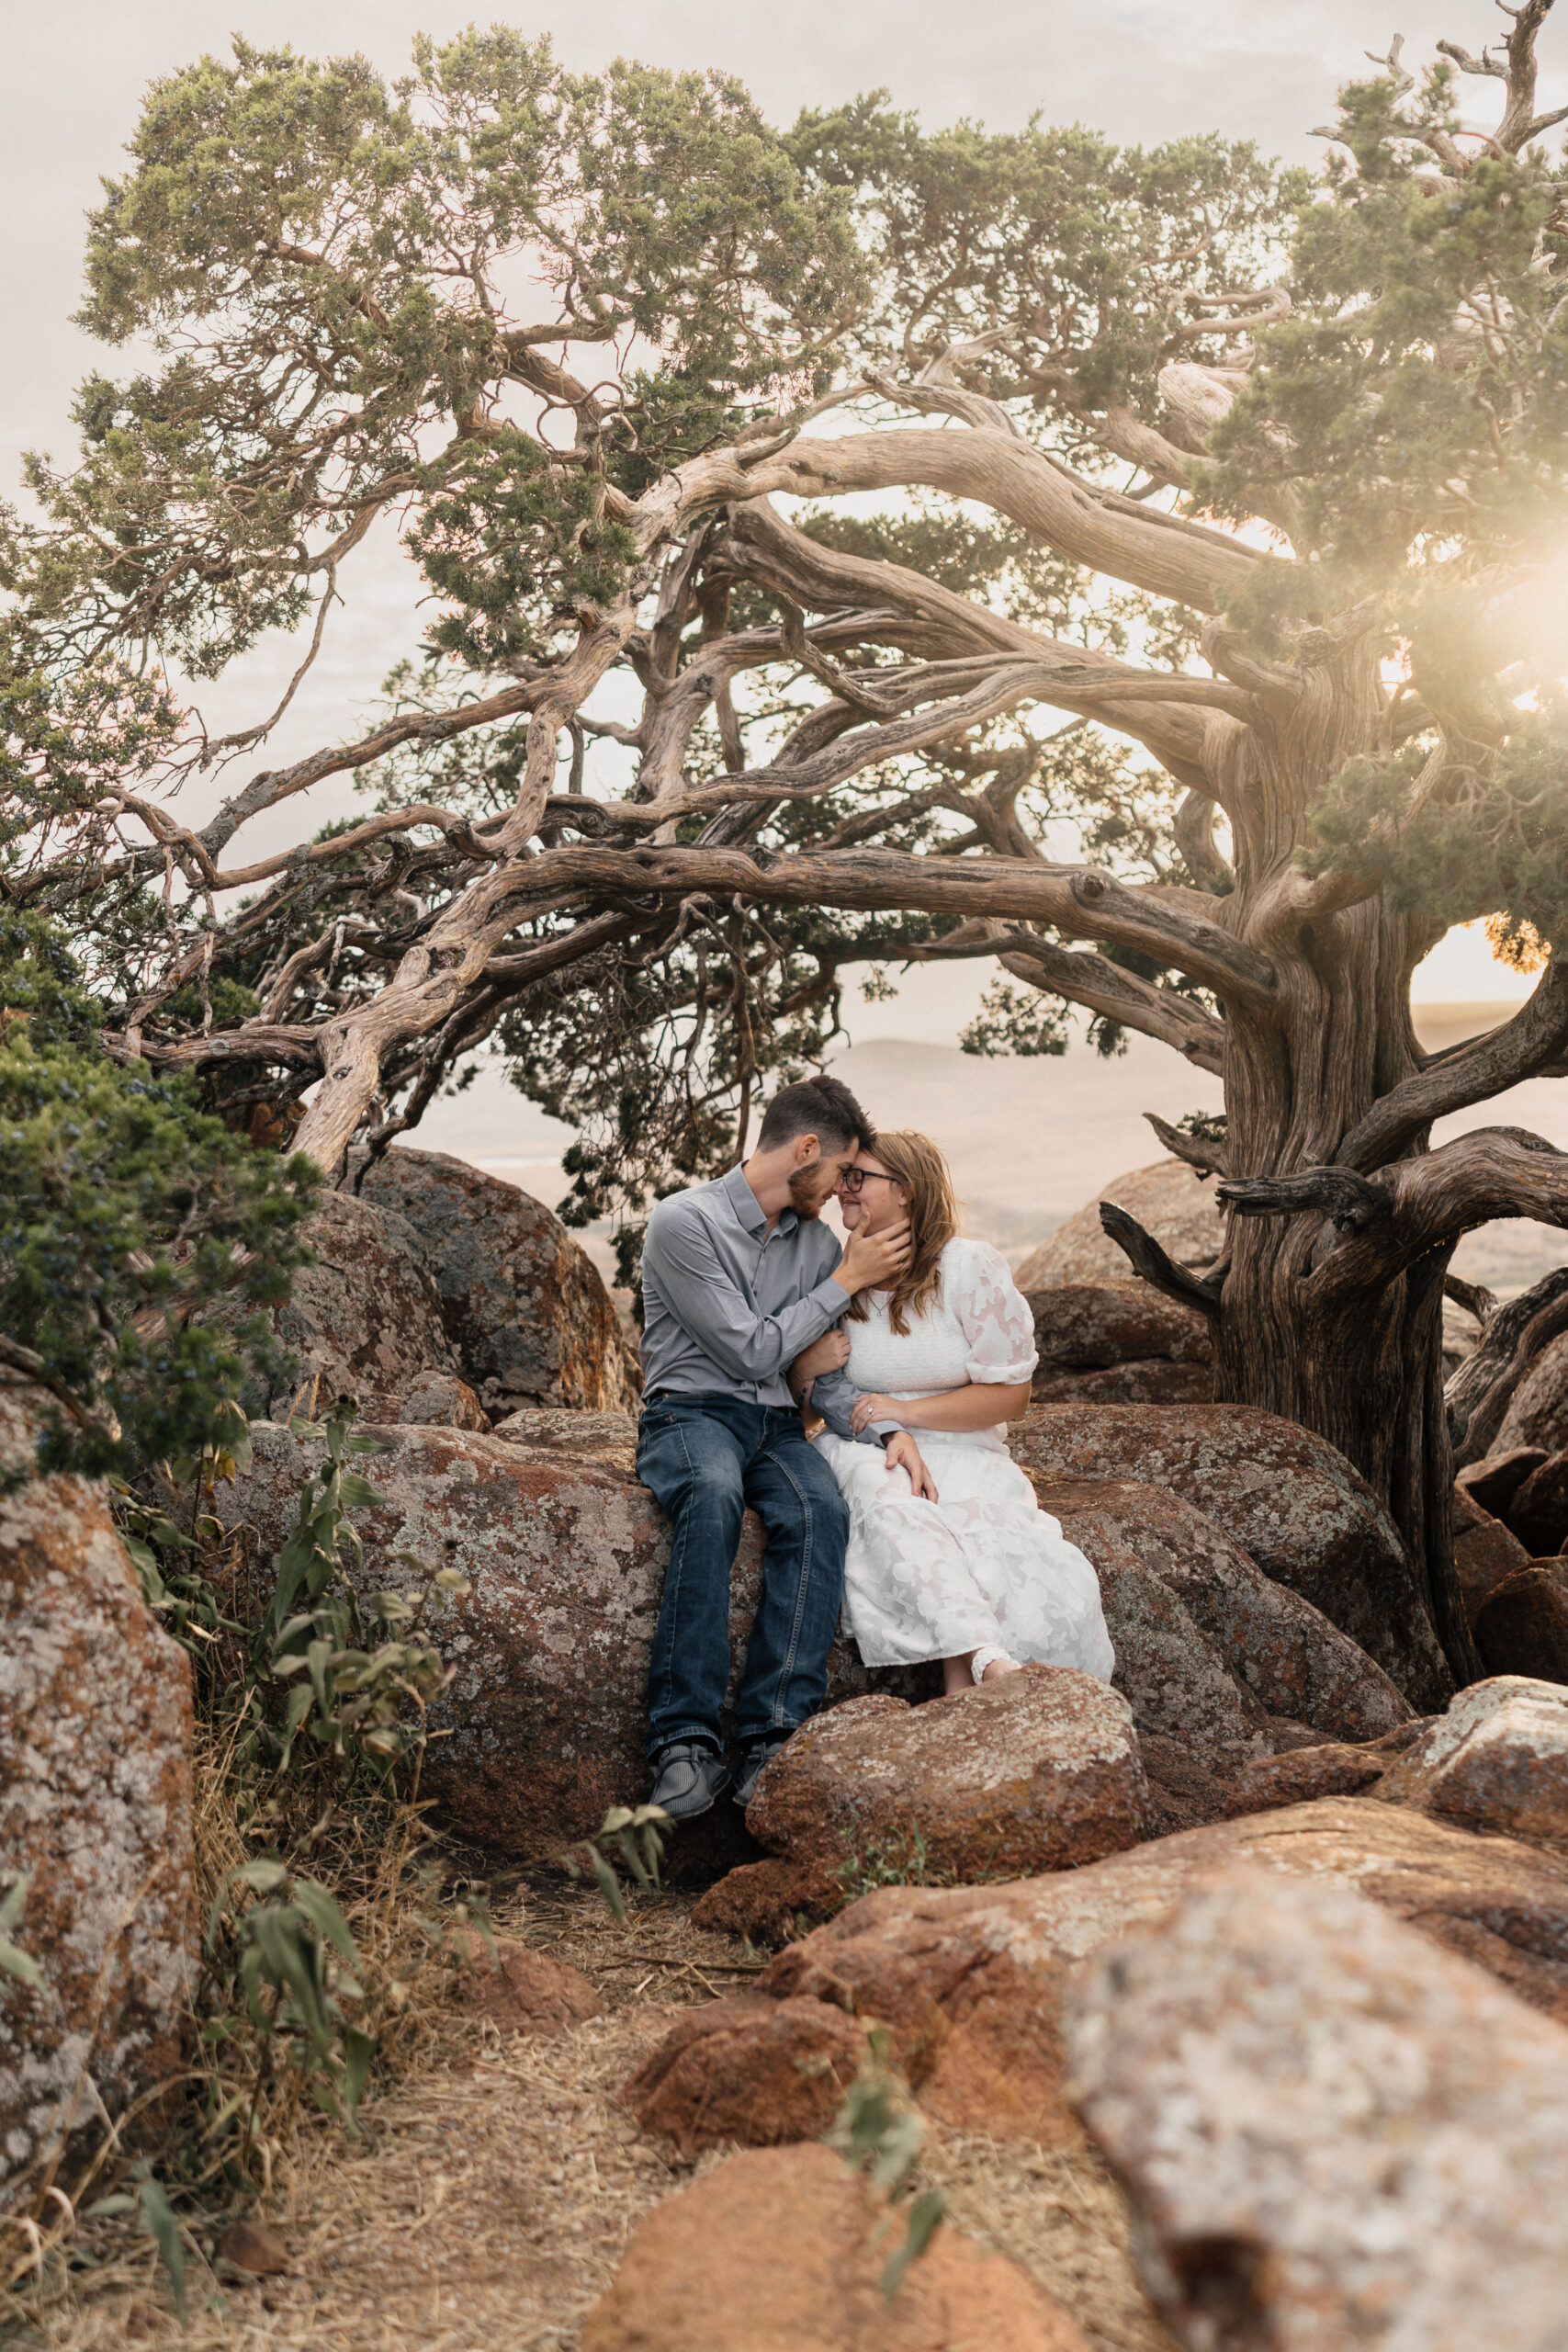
pixel 830 1354
pixel 875 1261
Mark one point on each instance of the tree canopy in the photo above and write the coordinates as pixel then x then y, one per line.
pixel 1143 568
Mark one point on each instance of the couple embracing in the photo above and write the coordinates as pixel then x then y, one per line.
pixel 906 1511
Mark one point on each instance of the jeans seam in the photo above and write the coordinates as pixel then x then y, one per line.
pixel 677 1562
pixel 786 1668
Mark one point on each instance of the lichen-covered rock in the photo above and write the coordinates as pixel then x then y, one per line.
pixel 522 1305
pixel 566 1554
pixel 1084 1327
pixel 758 2073
pixel 1036 1771
pixel 1493 1482
pixel 1485 1550
pixel 783 2250
pixel 1537 1410
pixel 1333 1768
pixel 365 1320
pixel 1522 1625
pixel 1119 1342
pixel 94 1814
pixel 610 1438
pixel 1209 1650
pixel 1538 1512
pixel 1294 1504
pixel 1169 1200
pixel 435 1398
pixel 1497 1760
pixel 925 1961
pixel 1146 1380
pixel 1334 2133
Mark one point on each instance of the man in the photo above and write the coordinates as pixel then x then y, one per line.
pixel 738 1278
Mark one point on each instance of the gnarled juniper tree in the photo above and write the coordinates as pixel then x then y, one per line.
pixel 1221 511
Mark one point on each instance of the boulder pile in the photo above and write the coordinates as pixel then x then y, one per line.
pixel 970 1982
pixel 1104 1337
pixel 1220 1661
pixel 1496 1761
pixel 442 1297
pixel 1296 1506
pixel 95 1817
pixel 566 1554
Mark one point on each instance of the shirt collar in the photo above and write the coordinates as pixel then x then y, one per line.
pixel 747 1207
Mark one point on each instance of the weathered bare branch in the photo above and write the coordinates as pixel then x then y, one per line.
pixel 1119 995
pixel 1146 1258
pixel 1535 1037
pixel 1516 68
pixel 1013 478
pixel 1512 1337
pixel 1208 1155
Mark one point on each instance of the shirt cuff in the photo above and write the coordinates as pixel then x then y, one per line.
pixel 875 1432
pixel 831 1297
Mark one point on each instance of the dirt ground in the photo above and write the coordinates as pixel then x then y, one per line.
pixel 489 2203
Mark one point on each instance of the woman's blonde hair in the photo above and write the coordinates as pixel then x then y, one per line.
pixel 919 1167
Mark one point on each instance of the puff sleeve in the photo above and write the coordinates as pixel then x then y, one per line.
pixel 992 1313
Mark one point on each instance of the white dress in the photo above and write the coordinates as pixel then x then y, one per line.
pixel 982 1567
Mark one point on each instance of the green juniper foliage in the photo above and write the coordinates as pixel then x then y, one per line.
pixel 124 1215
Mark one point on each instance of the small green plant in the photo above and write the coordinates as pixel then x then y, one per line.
pixel 878 2131
pixel 636 1835
pixel 354 1702
pixel 899 1859
pixel 12 1962
pixel 289 1955
pixel 161 2224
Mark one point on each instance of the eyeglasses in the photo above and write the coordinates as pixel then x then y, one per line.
pixel 854 1178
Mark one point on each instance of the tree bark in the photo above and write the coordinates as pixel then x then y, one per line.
pixel 1306 1066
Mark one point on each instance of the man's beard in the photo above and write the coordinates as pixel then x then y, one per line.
pixel 800 1196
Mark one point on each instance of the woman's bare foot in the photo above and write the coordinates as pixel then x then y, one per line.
pixel 998 1668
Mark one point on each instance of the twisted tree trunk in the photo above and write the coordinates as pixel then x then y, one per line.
pixel 1353 1353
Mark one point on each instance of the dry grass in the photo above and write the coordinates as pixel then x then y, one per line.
pixel 498 2180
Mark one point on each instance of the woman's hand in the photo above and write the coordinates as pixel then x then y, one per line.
pixel 903 1454
pixel 874 1408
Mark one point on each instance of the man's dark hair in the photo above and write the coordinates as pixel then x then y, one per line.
pixel 819 1106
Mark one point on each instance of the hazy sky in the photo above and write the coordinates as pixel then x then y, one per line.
pixel 1139 69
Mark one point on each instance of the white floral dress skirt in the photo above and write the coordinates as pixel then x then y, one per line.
pixel 982 1567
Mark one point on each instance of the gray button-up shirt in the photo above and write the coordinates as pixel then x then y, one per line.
pixel 727 1305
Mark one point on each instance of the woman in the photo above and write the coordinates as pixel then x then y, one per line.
pixel 968 1568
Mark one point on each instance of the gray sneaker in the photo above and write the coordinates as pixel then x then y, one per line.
pixel 760 1753
pixel 687 1777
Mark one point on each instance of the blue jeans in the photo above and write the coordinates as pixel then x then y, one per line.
pixel 706 1459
